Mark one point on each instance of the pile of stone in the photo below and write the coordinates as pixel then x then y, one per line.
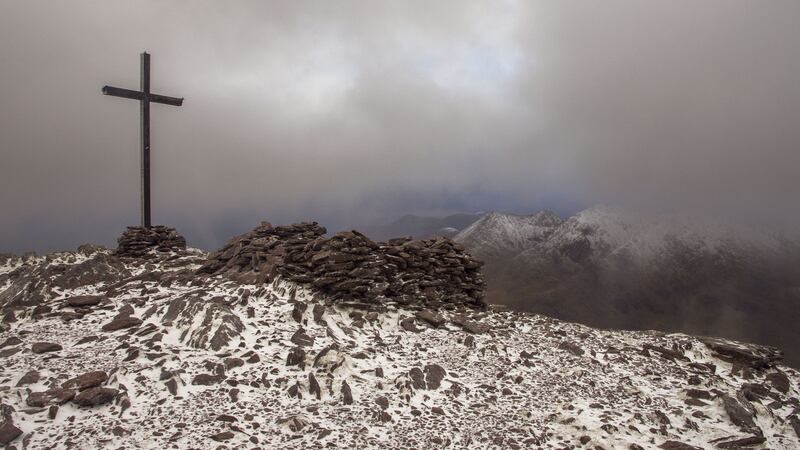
pixel 349 267
pixel 138 242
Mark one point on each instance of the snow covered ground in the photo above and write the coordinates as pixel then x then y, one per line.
pixel 199 362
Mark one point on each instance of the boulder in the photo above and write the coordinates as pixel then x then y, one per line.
pixel 430 317
pixel 347 394
pixel 205 379
pixel 122 322
pixel 84 300
pixel 57 396
pixel 8 432
pixel 86 380
pixel 434 374
pixel 296 357
pixel 45 347
pixel 95 396
pixel 30 377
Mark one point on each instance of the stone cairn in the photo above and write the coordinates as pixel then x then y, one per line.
pixel 140 241
pixel 349 267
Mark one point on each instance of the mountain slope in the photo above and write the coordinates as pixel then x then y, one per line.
pixel 502 235
pixel 174 359
pixel 610 268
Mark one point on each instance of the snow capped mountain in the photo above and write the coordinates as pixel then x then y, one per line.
pixel 613 268
pixel 604 231
pixel 103 351
pixel 497 234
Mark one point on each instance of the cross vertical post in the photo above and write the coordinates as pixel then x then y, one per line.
pixel 145 130
pixel 145 97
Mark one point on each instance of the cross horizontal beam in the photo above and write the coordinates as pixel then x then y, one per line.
pixel 139 95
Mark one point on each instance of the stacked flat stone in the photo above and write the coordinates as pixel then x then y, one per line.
pixel 349 267
pixel 140 242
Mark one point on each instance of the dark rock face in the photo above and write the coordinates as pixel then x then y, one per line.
pixel 350 267
pixel 138 242
pixel 95 396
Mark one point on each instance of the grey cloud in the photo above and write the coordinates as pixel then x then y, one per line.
pixel 354 111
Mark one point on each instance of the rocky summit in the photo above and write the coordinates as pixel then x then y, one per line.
pixel 349 267
pixel 246 348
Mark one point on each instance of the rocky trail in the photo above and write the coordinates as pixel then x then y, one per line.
pixel 160 346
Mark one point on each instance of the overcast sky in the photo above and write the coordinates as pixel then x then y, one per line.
pixel 353 112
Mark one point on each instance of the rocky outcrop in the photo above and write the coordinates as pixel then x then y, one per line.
pixel 743 354
pixel 349 267
pixel 140 241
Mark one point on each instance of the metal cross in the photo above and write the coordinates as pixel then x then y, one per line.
pixel 145 97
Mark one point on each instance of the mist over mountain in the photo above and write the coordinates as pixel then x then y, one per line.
pixel 421 227
pixel 612 268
